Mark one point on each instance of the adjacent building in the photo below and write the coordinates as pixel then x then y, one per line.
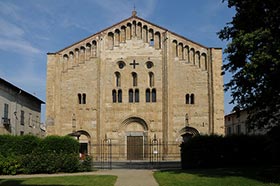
pixel 20 111
pixel 134 85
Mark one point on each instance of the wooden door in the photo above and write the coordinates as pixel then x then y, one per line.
pixel 135 147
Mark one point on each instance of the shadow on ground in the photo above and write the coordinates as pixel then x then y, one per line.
pixel 263 174
pixel 19 182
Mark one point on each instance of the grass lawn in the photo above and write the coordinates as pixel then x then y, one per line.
pixel 218 177
pixel 87 180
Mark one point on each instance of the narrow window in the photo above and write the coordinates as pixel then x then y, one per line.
pixel 187 99
pixel 148 99
pixel 192 98
pixel 84 98
pixel 137 95
pixel 79 98
pixel 118 79
pixel 152 43
pixel 6 111
pixel 130 96
pixel 30 120
pixel 22 117
pixel 151 79
pixel 134 79
pixel 119 96
pixel 154 95
pixel 114 96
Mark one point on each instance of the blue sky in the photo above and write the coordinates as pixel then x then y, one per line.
pixel 31 28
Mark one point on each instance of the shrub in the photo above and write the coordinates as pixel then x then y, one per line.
pixel 86 164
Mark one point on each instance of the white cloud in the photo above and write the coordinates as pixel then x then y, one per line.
pixel 10 30
pixel 18 46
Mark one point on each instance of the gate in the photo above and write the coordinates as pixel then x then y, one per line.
pixel 137 154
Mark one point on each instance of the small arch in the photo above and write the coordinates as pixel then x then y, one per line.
pixel 192 56
pixel 187 53
pixel 71 55
pixel 148 95
pixel 180 51
pixel 145 34
pixel 187 99
pixel 137 96
pixel 188 132
pixel 118 79
pixel 154 95
pixel 133 28
pixel 151 37
pixel 192 99
pixel 117 37
pixel 203 60
pixel 94 48
pixel 119 95
pixel 128 31
pixel 134 79
pixel 114 96
pixel 197 58
pixel 135 119
pixel 130 95
pixel 174 48
pixel 123 34
pixel 151 79
pixel 139 30
pixel 65 57
pixel 157 40
pixel 110 40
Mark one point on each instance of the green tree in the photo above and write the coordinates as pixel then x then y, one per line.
pixel 253 57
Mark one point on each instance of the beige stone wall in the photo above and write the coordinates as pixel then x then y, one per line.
pixel 88 67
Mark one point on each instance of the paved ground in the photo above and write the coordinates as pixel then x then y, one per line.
pixel 126 177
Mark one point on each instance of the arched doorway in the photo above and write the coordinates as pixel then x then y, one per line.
pixel 135 133
pixel 188 132
pixel 84 139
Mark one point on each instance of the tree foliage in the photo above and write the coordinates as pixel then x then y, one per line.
pixel 253 57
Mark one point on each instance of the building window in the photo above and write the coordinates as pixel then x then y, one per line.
pixel 189 98
pixel 22 117
pixel 30 120
pixel 136 95
pixel 149 64
pixel 121 64
pixel 134 79
pixel 238 129
pixel 82 98
pixel 130 96
pixel 118 79
pixel 192 98
pixel 151 79
pixel 154 95
pixel 119 96
pixel 114 96
pixel 6 111
pixel 148 95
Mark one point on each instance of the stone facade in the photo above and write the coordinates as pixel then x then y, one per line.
pixel 134 79
pixel 20 111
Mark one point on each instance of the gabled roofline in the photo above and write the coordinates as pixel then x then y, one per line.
pixel 131 17
pixel 17 89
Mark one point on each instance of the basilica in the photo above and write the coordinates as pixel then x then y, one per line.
pixel 137 86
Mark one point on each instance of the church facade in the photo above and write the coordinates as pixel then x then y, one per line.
pixel 133 83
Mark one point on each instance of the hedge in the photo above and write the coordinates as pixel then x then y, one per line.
pixel 217 151
pixel 30 154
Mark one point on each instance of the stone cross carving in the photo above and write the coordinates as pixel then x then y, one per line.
pixel 134 64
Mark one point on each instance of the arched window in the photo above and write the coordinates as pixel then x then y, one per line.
pixel 175 48
pixel 157 40
pixel 145 34
pixel 134 79
pixel 154 95
pixel 117 37
pixel 84 98
pixel 94 48
pixel 151 79
pixel 148 95
pixel 187 99
pixel 118 79
pixel 130 96
pixel 114 96
pixel 136 95
pixel 120 96
pixel 80 98
pixel 110 40
pixel 151 37
pixel 192 98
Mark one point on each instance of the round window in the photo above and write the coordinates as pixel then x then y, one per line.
pixel 121 64
pixel 149 64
